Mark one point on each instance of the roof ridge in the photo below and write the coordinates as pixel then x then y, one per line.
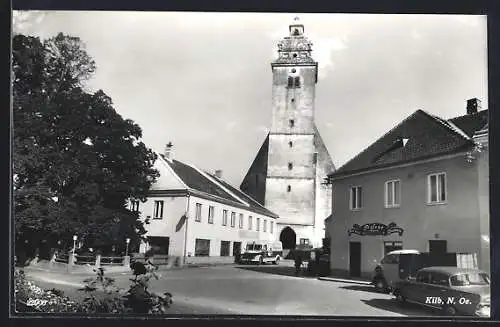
pixel 452 127
pixel 211 179
pixel 379 138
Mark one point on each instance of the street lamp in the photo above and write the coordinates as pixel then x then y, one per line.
pixel 74 244
pixel 127 240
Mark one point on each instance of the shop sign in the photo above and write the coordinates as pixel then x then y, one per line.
pixel 375 229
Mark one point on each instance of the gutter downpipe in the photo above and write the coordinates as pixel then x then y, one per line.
pixel 186 229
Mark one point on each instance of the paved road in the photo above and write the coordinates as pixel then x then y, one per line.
pixel 258 290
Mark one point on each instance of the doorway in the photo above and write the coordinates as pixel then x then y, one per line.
pixel 236 249
pixel 438 246
pixel 288 238
pixel 355 259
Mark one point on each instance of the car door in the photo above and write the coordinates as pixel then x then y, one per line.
pixel 438 290
pixel 390 268
pixel 417 292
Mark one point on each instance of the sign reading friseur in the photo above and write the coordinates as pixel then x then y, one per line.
pixel 375 229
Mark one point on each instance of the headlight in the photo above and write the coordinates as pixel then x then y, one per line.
pixel 483 310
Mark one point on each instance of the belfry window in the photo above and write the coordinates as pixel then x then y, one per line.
pixel 296 31
pixel 290 144
pixel 290 166
pixel 291 123
pixel 288 188
pixel 293 81
pixel 297 82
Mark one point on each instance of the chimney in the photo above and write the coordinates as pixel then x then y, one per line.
pixel 218 173
pixel 473 106
pixel 168 151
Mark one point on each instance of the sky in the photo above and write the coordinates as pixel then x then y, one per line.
pixel 203 80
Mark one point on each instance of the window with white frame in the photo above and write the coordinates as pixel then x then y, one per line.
pixel 233 219
pixel 271 227
pixel 197 216
pixel 257 223
pixel 249 222
pixel 392 194
pixel 436 188
pixel 224 217
pixel 265 226
pixel 210 214
pixel 241 221
pixel 356 198
pixel 158 210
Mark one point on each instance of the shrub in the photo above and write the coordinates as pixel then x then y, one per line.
pixel 102 296
pixel 31 298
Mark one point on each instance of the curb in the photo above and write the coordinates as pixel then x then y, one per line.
pixel 347 281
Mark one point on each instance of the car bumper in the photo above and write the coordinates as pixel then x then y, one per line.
pixel 251 260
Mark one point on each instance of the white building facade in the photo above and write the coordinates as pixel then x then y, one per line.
pixel 199 217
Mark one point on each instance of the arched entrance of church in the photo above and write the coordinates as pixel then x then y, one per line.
pixel 288 238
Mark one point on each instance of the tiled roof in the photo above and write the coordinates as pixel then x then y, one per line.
pixel 196 180
pixel 254 205
pixel 419 136
pixel 471 123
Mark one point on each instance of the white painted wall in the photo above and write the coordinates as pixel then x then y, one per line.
pixel 216 232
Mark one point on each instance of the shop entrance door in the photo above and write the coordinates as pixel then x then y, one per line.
pixel 355 259
pixel 437 246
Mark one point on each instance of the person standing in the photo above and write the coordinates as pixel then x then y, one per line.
pixel 298 263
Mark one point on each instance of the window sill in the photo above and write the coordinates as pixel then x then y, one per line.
pixel 436 203
pixel 198 221
pixel 157 218
pixel 393 207
pixel 356 209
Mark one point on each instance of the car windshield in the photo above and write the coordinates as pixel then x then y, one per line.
pixel 470 279
pixel 254 247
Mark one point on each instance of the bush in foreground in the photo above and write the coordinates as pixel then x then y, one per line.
pixel 102 296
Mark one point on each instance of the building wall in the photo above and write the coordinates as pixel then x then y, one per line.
pixel 484 201
pixel 173 209
pixel 323 192
pixel 457 221
pixel 302 108
pixel 294 207
pixel 216 232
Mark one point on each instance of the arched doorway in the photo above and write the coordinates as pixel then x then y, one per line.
pixel 288 238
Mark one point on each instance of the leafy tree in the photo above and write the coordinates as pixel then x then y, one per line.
pixel 76 161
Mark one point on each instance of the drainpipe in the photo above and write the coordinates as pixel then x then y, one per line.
pixel 186 230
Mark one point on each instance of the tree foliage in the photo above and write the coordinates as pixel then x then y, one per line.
pixel 76 161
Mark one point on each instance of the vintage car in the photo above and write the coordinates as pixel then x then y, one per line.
pixel 391 269
pixel 258 253
pixel 454 291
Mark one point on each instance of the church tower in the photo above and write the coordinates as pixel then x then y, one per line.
pixel 287 174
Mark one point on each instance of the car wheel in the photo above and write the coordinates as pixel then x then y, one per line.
pixel 381 286
pixel 261 261
pixel 449 310
pixel 276 261
pixel 399 297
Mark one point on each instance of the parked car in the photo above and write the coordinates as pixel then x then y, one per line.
pixel 455 291
pixel 392 268
pixel 259 253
